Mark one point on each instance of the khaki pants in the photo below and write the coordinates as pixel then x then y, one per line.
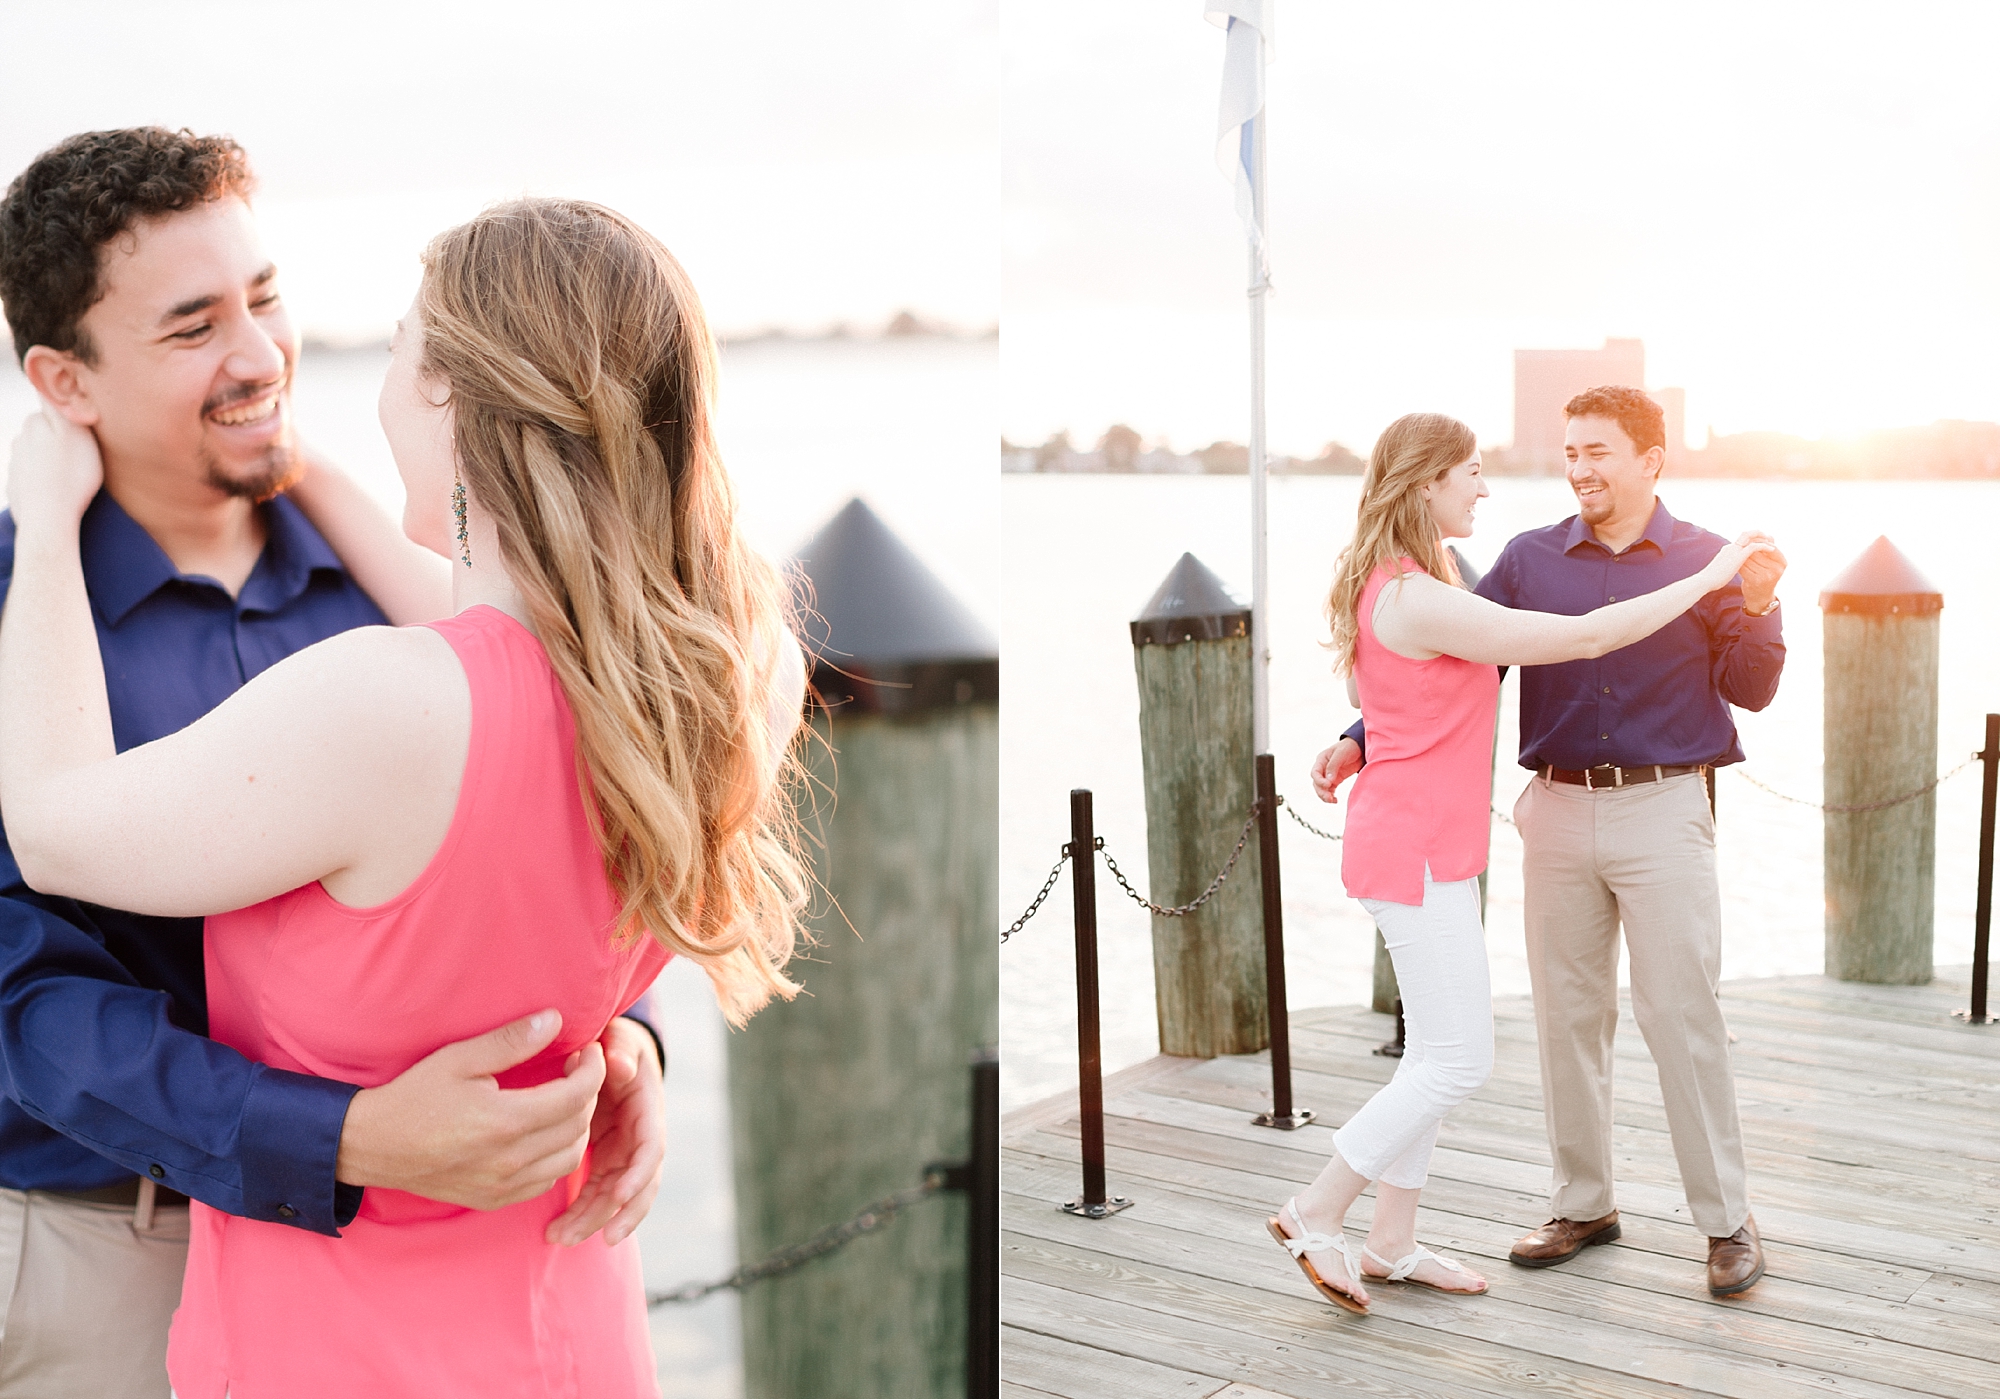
pixel 86 1296
pixel 1644 857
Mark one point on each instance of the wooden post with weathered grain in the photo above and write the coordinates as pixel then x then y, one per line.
pixel 847 1093
pixel 1881 620
pixel 1191 647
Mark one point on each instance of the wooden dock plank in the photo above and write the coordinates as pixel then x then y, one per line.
pixel 1461 1348
pixel 1450 1219
pixel 1874 1152
pixel 1275 1341
pixel 1882 1342
pixel 1048 1364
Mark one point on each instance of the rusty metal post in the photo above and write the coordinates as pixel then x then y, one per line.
pixel 982 1258
pixel 1092 1204
pixel 1982 914
pixel 1281 1115
pixel 1394 1048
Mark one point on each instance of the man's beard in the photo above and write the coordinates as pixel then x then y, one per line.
pixel 1596 510
pixel 276 471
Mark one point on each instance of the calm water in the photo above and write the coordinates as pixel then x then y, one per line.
pixel 1085 552
pixel 908 424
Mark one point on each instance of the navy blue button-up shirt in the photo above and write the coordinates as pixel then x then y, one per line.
pixel 104 1060
pixel 1661 700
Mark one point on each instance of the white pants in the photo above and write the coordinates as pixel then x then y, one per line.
pixel 1439 951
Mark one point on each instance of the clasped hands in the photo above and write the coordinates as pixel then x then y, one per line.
pixel 1760 572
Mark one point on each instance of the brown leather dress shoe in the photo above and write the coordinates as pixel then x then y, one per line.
pixel 1562 1239
pixel 1736 1262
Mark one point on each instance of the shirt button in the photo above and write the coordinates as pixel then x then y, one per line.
pixel 157 1172
pixel 1607 689
pixel 1613 599
pixel 287 1212
pixel 1604 735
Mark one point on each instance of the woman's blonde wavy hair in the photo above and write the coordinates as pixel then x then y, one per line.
pixel 581 373
pixel 1393 521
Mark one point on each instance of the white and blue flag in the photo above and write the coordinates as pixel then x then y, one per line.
pixel 1247 24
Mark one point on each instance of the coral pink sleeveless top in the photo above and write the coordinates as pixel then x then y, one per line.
pixel 1423 796
pixel 513 914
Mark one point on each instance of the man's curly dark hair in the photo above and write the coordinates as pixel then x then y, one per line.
pixel 79 195
pixel 1644 421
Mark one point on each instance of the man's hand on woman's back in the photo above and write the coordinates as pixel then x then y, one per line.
pixel 446 1130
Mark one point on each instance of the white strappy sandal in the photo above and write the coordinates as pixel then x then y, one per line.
pixel 1402 1268
pixel 1308 1241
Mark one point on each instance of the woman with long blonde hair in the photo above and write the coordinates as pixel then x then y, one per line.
pixel 1420 653
pixel 405 835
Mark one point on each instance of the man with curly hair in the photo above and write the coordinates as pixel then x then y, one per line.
pixel 143 307
pixel 1617 832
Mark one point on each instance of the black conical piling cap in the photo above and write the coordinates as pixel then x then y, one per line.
pixel 886 636
pixel 1881 583
pixel 1191 604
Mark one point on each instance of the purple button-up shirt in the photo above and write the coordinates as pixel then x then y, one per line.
pixel 1661 700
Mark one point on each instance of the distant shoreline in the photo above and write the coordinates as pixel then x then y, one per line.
pixel 1951 450
pixel 904 326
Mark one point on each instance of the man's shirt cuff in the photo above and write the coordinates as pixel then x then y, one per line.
pixel 1358 731
pixel 290 1144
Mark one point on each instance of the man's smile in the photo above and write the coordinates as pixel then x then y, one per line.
pixel 249 412
pixel 242 411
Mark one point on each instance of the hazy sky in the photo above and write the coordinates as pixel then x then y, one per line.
pixel 1796 206
pixel 808 162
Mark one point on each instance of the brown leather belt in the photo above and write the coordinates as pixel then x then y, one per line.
pixel 1609 776
pixel 125 1194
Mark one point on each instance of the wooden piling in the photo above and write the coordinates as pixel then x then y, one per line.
pixel 1191 647
pixel 847 1093
pixel 1881 677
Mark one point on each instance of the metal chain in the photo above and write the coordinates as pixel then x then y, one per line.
pixel 1293 812
pixel 1036 906
pixel 1249 824
pixel 1864 806
pixel 872 1217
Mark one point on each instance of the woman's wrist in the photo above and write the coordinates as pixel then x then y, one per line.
pixel 44 535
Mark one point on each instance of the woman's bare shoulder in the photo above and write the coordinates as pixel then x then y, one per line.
pixel 370 676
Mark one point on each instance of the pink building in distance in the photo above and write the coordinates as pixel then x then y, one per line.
pixel 1545 380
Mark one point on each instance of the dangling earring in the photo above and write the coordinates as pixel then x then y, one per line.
pixel 458 513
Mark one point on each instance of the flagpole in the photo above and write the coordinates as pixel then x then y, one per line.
pixel 1239 151
pixel 1260 634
